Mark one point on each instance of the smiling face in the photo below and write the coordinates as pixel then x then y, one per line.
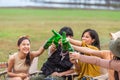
pixel 90 37
pixel 24 47
pixel 87 38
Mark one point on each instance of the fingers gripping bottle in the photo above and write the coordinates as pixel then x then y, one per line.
pixel 66 44
pixel 48 42
pixel 56 38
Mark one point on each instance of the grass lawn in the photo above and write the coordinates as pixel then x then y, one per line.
pixel 38 23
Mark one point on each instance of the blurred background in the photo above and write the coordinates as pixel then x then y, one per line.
pixel 37 18
pixel 84 4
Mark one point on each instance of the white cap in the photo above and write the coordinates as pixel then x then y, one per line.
pixel 115 35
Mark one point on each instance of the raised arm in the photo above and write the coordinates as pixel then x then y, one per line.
pixel 109 64
pixel 87 50
pixel 38 52
pixel 75 42
pixel 42 48
pixel 54 39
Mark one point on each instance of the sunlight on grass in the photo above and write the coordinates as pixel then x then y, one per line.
pixel 38 23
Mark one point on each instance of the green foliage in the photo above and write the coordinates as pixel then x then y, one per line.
pixel 38 23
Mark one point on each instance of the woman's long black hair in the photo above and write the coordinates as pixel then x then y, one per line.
pixel 94 35
pixel 27 61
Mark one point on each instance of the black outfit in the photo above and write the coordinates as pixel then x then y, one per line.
pixel 57 62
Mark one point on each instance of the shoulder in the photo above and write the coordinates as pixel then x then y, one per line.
pixel 12 57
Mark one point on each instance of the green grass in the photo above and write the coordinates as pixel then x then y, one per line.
pixel 38 23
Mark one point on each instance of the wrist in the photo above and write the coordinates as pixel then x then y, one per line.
pixel 79 56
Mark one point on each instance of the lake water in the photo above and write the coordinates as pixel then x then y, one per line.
pixel 45 3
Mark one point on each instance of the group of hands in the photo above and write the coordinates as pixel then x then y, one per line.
pixel 66 46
